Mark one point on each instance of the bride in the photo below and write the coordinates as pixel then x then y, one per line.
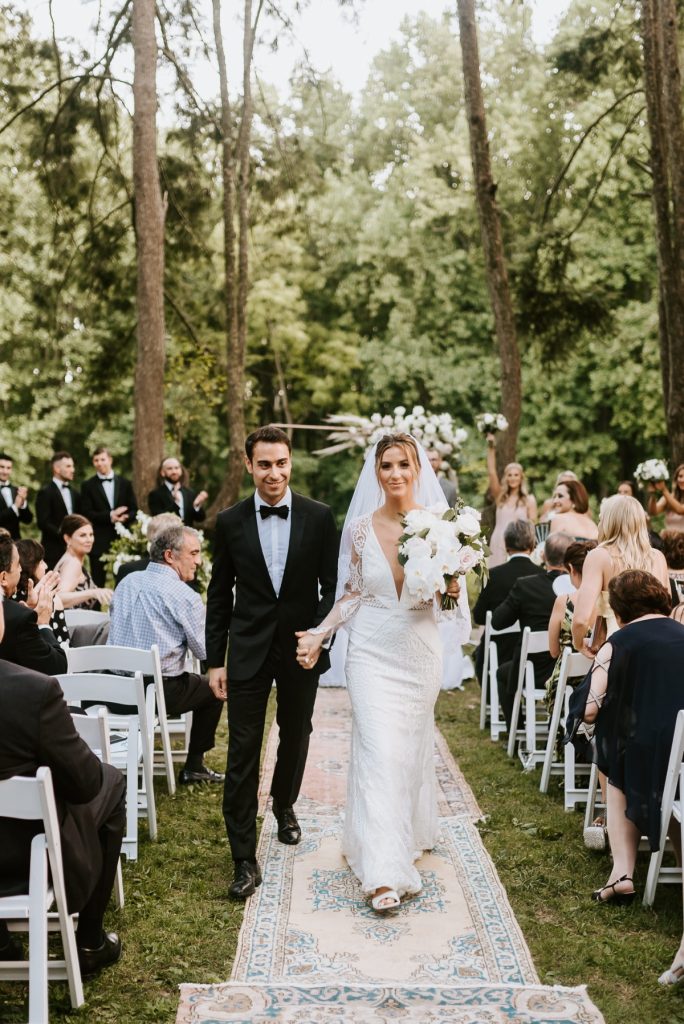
pixel 394 673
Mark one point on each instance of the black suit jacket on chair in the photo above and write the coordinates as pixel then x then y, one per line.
pixel 161 500
pixel 530 602
pixel 256 616
pixel 50 511
pixel 95 507
pixel 9 519
pixel 37 730
pixel 26 644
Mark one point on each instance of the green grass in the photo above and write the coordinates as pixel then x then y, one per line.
pixel 178 924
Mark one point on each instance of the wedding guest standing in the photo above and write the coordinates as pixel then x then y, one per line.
pixel 13 500
pixel 172 494
pixel 449 488
pixel 106 499
pixel 669 502
pixel 571 511
pixel 511 498
pixel 54 501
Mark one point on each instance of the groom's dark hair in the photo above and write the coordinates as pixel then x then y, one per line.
pixel 269 435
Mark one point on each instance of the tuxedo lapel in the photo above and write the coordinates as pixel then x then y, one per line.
pixel 60 498
pixel 251 532
pixel 117 491
pixel 296 536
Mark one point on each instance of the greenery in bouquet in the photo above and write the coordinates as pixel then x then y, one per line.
pixel 132 545
pixel 491 422
pixel 652 471
pixel 432 430
pixel 436 547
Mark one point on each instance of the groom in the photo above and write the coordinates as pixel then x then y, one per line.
pixel 275 570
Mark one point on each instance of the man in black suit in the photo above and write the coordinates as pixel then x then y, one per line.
pixel 530 602
pixel 37 729
pixel 276 548
pixel 13 500
pixel 55 501
pixel 28 639
pixel 106 499
pixel 520 542
pixel 173 496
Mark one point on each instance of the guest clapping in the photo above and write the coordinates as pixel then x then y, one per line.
pixel 671 503
pixel 511 498
pixel 34 575
pixel 637 689
pixel 570 505
pixel 76 585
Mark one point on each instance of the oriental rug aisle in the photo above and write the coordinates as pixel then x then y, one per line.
pixel 312 950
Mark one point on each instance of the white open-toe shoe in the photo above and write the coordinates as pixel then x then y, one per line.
pixel 387 900
pixel 673 975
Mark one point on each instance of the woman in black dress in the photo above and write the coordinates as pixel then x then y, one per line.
pixel 33 569
pixel 637 688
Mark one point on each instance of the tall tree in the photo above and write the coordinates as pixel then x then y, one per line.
pixel 662 82
pixel 490 226
pixel 148 438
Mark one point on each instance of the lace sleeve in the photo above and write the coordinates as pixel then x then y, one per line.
pixel 350 599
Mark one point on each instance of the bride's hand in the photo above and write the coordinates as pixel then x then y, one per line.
pixel 308 648
pixel 454 588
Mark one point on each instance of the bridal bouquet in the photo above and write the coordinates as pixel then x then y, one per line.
pixel 652 471
pixel 490 422
pixel 435 547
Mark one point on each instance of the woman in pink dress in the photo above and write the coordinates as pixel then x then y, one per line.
pixel 511 498
pixel 669 502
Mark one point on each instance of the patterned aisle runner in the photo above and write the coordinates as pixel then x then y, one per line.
pixel 312 950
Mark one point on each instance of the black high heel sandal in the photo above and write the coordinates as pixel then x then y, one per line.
pixel 618 899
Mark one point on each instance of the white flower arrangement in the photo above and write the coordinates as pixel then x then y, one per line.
pixel 436 547
pixel 433 430
pixel 491 422
pixel 652 471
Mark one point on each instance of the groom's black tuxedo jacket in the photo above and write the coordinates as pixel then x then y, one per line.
pixel 254 615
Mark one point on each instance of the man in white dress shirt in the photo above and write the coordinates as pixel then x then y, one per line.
pixel 13 500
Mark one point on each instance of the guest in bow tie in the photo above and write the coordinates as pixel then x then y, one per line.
pixel 274 572
pixel 54 501
pixel 13 500
pixel 106 499
pixel 172 494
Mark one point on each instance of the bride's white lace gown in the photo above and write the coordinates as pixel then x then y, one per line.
pixel 394 672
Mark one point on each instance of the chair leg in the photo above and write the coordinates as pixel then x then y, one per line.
pixel 118 887
pixel 38 937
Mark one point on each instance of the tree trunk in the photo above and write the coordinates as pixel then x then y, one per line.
pixel 148 437
pixel 236 286
pixel 492 239
pixel 662 84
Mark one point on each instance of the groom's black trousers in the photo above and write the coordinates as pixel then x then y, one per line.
pixel 247 700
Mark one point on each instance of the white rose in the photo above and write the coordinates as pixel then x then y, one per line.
pixel 387 421
pixel 448 559
pixel 419 519
pixel 443 533
pixel 417 410
pixel 467 524
pixel 430 428
pixel 376 418
pixel 460 436
pixel 416 547
pixel 400 411
pixel 468 510
pixel 469 558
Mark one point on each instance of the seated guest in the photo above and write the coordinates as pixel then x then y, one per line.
pixel 546 512
pixel 673 549
pixel 54 501
pixel 38 730
pixel 570 506
pixel 33 570
pixel 530 602
pixel 637 689
pixel 106 499
pixel 28 639
pixel 173 496
pixel 156 607
pixel 76 587
pixel 520 542
pixel 154 525
pixel 13 500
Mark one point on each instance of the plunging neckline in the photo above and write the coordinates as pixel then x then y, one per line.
pixel 398 594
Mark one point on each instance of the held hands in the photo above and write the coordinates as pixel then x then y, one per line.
pixel 308 648
pixel 21 497
pixel 120 514
pixel 218 683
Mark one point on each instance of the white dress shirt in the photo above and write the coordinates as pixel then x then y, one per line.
pixel 108 487
pixel 274 535
pixel 66 495
pixel 180 502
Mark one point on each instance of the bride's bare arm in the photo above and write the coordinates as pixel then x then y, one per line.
pixel 310 641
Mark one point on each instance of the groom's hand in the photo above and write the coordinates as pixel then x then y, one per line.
pixel 218 682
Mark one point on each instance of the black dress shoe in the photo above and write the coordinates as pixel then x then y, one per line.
pixel 289 831
pixel 93 960
pixel 247 878
pixel 187 776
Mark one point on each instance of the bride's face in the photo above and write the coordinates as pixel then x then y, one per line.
pixel 396 473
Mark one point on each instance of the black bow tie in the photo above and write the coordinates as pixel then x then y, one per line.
pixel 274 510
pixel 65 487
pixel 106 479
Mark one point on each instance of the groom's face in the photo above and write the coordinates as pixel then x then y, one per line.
pixel 270 467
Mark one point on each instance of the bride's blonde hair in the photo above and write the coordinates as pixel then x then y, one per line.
pixel 404 441
pixel 624 528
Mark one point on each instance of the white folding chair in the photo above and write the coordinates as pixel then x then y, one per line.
pixel 83 617
pixel 137 755
pixel 536 642
pixel 95 732
pixel 109 658
pixel 34 800
pixel 489 698
pixel 670 807
pixel 573 666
